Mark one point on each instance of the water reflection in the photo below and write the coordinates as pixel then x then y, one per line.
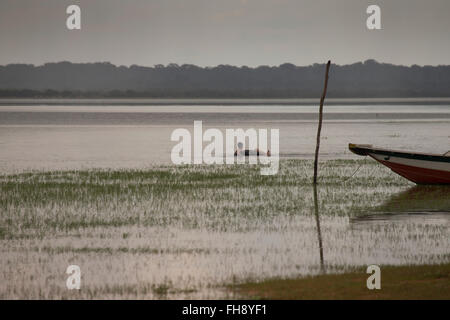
pixel 419 199
pixel 430 204
pixel 319 235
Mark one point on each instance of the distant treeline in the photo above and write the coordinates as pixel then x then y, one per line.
pixel 105 80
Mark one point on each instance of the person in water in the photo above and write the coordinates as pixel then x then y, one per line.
pixel 241 152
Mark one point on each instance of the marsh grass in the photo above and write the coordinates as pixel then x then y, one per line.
pixel 185 231
pixel 44 203
pixel 397 282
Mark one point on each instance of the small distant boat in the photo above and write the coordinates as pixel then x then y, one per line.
pixel 420 168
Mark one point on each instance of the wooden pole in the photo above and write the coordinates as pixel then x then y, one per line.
pixel 319 234
pixel 322 99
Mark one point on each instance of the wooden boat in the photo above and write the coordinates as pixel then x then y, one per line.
pixel 420 168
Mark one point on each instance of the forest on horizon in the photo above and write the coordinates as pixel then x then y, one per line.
pixel 368 79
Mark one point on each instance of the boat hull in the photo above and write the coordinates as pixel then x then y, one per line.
pixel 417 167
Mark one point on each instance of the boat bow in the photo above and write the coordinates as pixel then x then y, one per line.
pixel 421 168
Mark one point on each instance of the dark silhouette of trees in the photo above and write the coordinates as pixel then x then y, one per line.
pixel 362 79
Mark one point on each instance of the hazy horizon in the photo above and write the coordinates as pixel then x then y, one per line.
pixel 221 64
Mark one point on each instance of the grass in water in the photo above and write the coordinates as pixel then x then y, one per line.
pixel 184 231
pixel 44 203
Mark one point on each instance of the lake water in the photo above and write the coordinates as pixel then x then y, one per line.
pixel 204 238
pixel 47 137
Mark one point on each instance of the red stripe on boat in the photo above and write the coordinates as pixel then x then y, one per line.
pixel 417 174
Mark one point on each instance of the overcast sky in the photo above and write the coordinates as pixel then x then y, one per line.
pixel 237 32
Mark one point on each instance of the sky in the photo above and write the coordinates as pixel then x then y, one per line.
pixel 235 32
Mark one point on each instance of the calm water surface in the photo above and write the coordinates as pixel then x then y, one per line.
pixel 64 137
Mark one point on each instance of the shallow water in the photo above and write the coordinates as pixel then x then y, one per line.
pixel 189 238
pixel 48 137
